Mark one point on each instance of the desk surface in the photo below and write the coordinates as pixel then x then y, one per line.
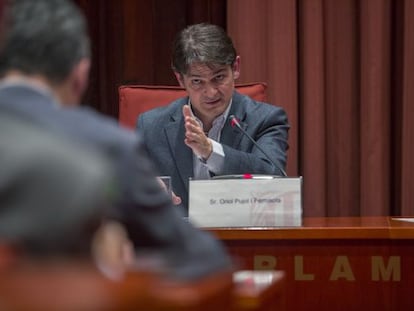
pixel 327 228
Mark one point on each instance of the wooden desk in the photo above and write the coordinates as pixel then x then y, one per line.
pixel 333 263
pixel 74 286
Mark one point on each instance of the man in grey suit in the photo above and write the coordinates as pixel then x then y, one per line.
pixel 193 137
pixel 53 195
pixel 45 65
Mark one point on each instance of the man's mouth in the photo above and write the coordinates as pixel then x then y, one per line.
pixel 212 102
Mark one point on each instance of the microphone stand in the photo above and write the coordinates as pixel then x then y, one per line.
pixel 235 122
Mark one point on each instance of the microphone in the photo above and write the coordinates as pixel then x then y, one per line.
pixel 235 122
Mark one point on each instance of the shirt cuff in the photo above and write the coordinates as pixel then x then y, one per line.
pixel 215 162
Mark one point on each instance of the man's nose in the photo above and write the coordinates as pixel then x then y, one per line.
pixel 210 89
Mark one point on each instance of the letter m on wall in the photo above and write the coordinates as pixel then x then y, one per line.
pixel 381 271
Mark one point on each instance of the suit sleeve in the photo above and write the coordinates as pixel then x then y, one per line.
pixel 270 130
pixel 155 226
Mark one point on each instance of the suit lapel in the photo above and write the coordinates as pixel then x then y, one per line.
pixel 175 132
pixel 181 153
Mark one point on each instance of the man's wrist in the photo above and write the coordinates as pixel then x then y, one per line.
pixel 205 156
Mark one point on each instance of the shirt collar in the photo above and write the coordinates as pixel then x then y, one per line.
pixel 219 120
pixel 18 82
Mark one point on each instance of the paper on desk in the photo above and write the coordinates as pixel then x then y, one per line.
pixel 411 219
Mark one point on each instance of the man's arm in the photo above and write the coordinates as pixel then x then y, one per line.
pixel 155 226
pixel 270 131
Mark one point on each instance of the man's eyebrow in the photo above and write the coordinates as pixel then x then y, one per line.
pixel 219 71
pixel 215 72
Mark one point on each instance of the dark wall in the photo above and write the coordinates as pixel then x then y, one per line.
pixel 131 42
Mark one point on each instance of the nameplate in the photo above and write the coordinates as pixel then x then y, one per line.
pixel 252 202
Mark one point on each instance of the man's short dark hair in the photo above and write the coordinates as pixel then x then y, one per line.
pixel 46 37
pixel 202 43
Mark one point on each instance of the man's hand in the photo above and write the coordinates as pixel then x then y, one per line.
pixel 112 250
pixel 194 135
pixel 175 199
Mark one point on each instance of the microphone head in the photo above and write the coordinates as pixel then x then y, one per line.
pixel 233 121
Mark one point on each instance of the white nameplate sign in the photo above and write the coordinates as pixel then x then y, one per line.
pixel 264 202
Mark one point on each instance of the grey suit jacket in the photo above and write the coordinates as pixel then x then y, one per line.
pixel 163 131
pixel 52 193
pixel 152 222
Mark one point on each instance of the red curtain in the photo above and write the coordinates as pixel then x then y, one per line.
pixel 131 42
pixel 344 72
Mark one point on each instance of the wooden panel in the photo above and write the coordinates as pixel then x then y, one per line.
pixel 315 228
pixel 334 263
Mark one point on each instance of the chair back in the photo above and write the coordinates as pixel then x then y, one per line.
pixel 136 99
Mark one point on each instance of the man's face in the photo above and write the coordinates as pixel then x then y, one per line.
pixel 210 88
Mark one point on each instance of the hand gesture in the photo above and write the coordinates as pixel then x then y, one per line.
pixel 195 138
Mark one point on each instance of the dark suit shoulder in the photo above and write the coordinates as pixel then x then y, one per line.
pixel 78 123
pixel 88 125
pixel 253 104
pixel 245 106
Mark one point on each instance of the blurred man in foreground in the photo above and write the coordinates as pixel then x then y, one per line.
pixel 45 64
pixel 53 197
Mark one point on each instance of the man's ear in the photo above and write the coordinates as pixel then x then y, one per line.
pixel 179 78
pixel 78 82
pixel 236 68
pixel 71 90
pixel 80 75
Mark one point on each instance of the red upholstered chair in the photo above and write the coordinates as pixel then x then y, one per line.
pixel 135 99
